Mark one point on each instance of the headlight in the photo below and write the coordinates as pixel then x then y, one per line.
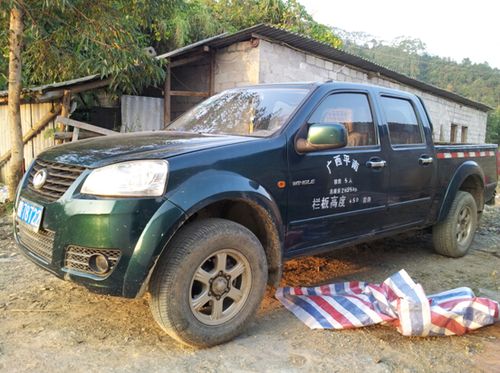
pixel 128 179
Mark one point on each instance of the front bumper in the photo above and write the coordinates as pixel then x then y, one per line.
pixel 139 228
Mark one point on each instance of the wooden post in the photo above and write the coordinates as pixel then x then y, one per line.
pixel 211 73
pixel 166 98
pixel 76 132
pixel 66 102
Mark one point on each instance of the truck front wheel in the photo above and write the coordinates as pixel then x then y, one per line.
pixel 210 283
pixel 453 236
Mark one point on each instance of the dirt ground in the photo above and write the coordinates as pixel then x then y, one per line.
pixel 48 325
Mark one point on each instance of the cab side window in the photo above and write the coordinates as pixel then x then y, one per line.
pixel 353 111
pixel 404 127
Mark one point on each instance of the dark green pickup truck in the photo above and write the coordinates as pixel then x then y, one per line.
pixel 203 214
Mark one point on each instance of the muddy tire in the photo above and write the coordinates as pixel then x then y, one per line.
pixel 210 282
pixel 453 236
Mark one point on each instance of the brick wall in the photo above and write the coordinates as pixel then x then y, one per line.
pixel 241 64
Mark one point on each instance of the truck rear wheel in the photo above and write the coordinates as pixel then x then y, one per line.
pixel 208 286
pixel 453 236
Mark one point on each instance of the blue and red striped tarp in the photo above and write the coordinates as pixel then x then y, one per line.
pixel 398 301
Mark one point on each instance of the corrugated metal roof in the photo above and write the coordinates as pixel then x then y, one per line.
pixel 324 50
pixel 58 85
pixel 189 47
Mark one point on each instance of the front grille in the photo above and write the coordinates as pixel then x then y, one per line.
pixel 60 177
pixel 77 258
pixel 40 243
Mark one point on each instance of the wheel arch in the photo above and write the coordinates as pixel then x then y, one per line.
pixel 468 177
pixel 256 217
pixel 232 197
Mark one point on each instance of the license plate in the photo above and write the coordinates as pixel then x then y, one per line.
pixel 30 213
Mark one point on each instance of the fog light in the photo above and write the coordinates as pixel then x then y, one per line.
pixel 99 264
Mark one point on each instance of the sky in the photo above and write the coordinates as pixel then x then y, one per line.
pixel 455 29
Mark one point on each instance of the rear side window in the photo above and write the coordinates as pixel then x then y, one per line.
pixel 404 127
pixel 353 111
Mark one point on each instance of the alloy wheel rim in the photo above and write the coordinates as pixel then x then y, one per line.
pixel 220 287
pixel 464 224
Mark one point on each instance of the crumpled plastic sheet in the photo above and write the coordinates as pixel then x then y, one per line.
pixel 398 301
pixel 4 193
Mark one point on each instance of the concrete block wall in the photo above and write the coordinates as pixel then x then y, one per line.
pixel 278 63
pixel 236 66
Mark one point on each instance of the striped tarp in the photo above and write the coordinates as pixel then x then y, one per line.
pixel 398 301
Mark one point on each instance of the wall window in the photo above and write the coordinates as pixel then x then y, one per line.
pixel 464 134
pixel 453 133
pixel 404 127
pixel 353 111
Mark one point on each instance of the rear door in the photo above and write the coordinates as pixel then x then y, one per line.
pixel 411 164
pixel 336 195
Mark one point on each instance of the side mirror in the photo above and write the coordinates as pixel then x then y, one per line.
pixel 323 136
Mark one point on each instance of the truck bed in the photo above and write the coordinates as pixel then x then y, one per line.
pixel 451 156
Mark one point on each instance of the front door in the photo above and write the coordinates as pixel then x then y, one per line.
pixel 337 195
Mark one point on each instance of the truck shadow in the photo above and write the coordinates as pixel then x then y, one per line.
pixel 372 261
pixel 376 261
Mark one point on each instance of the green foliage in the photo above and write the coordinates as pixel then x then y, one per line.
pixel 493 129
pixel 234 15
pixel 49 133
pixel 477 81
pixel 65 39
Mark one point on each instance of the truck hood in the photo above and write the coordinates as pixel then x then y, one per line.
pixel 105 150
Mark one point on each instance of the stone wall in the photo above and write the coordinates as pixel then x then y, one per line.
pixel 241 64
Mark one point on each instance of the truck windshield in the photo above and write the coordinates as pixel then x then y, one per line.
pixel 247 112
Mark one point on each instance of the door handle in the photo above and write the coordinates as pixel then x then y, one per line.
pixel 425 160
pixel 376 164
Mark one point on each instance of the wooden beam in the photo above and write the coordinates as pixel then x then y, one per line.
pixel 166 98
pixel 190 93
pixel 40 125
pixel 54 94
pixel 85 126
pixel 89 86
pixel 187 60
pixel 69 135
pixel 35 97
pixel 4 158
